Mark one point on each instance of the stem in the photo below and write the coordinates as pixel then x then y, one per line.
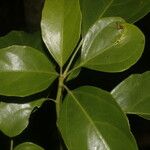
pixel 50 99
pixel 75 68
pixel 66 88
pixel 72 58
pixel 62 77
pixel 59 98
pixel 61 80
pixel 59 95
pixel 11 144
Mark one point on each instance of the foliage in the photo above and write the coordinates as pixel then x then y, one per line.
pixel 98 35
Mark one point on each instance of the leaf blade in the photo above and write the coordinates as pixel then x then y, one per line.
pixel 87 128
pixel 27 146
pixel 14 117
pixel 24 71
pixel 133 94
pixel 61 28
pixel 112 45
pixel 22 38
pixel 130 10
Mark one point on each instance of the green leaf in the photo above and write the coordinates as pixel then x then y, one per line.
pixel 61 21
pixel 22 38
pixel 130 10
pixel 24 71
pixel 14 118
pixel 112 45
pixel 133 94
pixel 91 119
pixel 28 146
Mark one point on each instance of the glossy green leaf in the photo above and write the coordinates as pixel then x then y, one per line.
pixel 91 119
pixel 14 118
pixel 22 38
pixel 61 21
pixel 24 71
pixel 130 10
pixel 28 146
pixel 133 94
pixel 112 45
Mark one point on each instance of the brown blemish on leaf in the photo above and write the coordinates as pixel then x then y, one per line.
pixel 119 26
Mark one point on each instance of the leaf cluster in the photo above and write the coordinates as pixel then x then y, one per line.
pixel 94 34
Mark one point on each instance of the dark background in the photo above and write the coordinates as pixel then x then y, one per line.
pixel 25 15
